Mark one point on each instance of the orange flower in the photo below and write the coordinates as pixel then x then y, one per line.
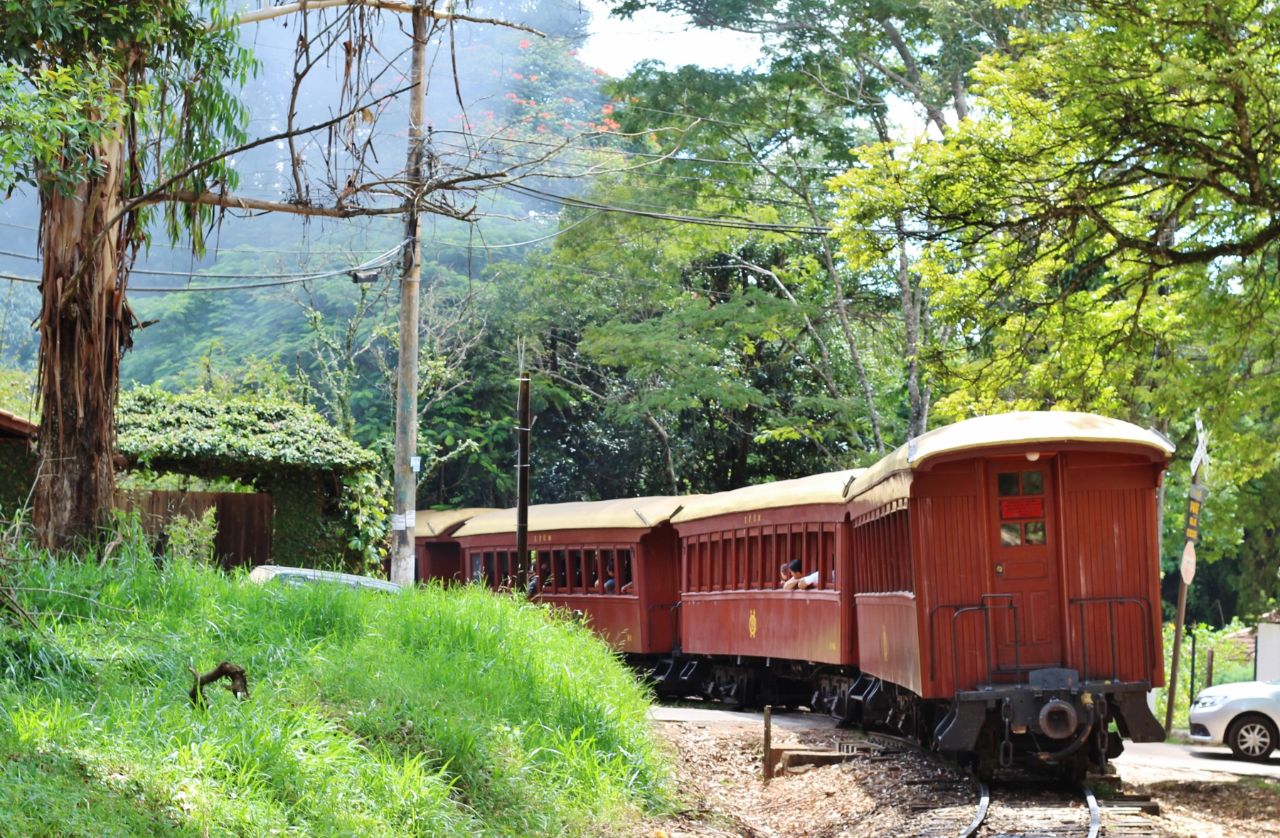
pixel 525 43
pixel 606 110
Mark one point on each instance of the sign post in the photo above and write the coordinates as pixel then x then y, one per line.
pixel 1191 529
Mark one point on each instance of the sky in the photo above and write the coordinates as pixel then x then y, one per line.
pixel 616 45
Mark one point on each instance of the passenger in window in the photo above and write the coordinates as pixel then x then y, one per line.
pixel 793 577
pixel 627 587
pixel 535 579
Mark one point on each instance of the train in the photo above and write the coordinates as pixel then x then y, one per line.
pixel 989 590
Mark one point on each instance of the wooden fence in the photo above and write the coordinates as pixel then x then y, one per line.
pixel 244 520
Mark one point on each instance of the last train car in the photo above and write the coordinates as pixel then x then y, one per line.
pixel 1009 603
pixel 613 562
pixel 436 552
pixel 744 638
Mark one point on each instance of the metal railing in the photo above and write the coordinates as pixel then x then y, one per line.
pixel 984 607
pixel 1112 605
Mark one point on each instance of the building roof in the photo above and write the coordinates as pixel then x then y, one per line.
pixel 437 522
pixel 828 487
pixel 626 513
pixel 1023 428
pixel 13 425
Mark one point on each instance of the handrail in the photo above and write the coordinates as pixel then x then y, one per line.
pixel 983 607
pixel 1111 603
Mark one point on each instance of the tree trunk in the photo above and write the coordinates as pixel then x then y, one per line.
pixel 85 326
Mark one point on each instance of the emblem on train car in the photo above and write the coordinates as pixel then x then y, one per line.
pixel 884 644
pixel 751 623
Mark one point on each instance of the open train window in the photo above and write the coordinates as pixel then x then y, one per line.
pixel 575 570
pixel 561 574
pixel 490 574
pixel 625 579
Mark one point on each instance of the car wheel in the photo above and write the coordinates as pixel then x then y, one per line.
pixel 1252 737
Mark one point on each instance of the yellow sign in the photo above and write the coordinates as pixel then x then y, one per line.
pixel 751 623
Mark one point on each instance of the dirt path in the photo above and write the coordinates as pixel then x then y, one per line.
pixel 893 794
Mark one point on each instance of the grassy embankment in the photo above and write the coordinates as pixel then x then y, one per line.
pixel 430 712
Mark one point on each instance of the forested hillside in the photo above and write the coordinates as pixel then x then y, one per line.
pixel 905 214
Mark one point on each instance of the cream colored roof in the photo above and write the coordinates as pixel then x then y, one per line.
pixel 432 522
pixel 817 488
pixel 1024 428
pixel 626 513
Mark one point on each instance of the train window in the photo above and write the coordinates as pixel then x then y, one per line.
pixel 1032 483
pixel 1010 535
pixel 1007 483
pixel 490 576
pixel 477 569
pixel 1034 532
pixel 545 579
pixel 610 569
pixel 575 570
pixel 562 574
pixel 626 582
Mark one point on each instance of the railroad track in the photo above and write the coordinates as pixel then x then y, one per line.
pixel 960 805
pixel 1031 812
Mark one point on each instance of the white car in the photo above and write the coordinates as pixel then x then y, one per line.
pixel 1244 717
pixel 306 575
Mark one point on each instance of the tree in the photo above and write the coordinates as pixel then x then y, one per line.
pixel 108 109
pixel 1103 233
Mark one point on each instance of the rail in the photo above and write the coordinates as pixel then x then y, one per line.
pixel 983 607
pixel 1112 604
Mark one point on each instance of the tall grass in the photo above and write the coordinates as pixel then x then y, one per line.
pixel 430 712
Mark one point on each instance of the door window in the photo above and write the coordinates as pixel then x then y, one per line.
pixel 1021 508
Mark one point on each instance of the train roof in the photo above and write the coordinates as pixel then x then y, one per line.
pixel 816 488
pixel 1022 428
pixel 437 522
pixel 624 513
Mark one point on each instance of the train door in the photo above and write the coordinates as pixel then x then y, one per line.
pixel 1025 614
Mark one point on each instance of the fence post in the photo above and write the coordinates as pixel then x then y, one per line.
pixel 768 742
pixel 1208 667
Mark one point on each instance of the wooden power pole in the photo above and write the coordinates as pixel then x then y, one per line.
pixel 406 489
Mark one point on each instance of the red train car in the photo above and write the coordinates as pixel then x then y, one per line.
pixel 437 554
pixel 614 561
pixel 1009 597
pixel 746 639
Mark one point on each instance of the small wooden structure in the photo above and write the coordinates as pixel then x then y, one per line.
pixel 244 520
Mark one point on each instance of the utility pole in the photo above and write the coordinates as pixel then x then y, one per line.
pixel 405 495
pixel 523 421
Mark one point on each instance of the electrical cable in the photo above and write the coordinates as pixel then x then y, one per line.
pixel 370 264
pixel 730 223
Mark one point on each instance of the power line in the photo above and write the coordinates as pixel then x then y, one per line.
pixel 370 264
pixel 730 223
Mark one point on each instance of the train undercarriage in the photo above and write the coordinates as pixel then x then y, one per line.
pixel 1050 722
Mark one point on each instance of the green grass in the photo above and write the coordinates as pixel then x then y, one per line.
pixel 431 712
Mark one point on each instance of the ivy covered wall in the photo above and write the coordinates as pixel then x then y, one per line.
pixel 329 509
pixel 17 474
